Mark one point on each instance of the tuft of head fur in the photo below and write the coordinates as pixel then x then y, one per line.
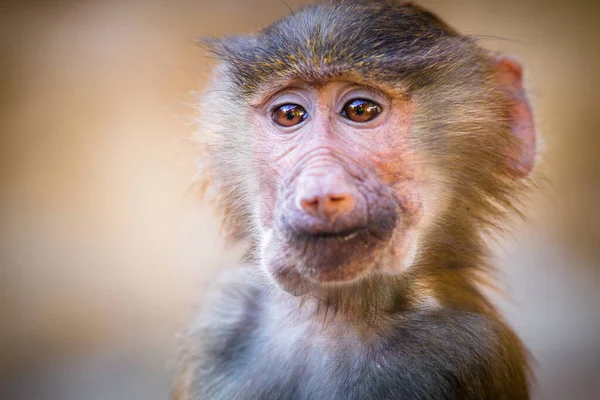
pixel 382 41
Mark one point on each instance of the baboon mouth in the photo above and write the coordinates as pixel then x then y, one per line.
pixel 342 235
pixel 301 258
pixel 336 257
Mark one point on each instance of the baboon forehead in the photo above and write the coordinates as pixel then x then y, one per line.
pixel 379 40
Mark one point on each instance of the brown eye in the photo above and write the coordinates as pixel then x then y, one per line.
pixel 289 115
pixel 361 110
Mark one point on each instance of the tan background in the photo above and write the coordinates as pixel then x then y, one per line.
pixel 104 247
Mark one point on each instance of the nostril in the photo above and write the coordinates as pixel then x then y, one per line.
pixel 337 204
pixel 337 198
pixel 310 205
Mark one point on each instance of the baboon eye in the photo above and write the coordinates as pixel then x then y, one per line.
pixel 289 115
pixel 361 110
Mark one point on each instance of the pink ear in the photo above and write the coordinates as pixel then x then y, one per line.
pixel 511 79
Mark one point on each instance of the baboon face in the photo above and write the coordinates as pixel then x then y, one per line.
pixel 341 196
pixel 347 132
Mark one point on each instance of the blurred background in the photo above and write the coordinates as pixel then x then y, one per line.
pixel 105 247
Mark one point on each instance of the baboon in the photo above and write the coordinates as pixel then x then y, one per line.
pixel 363 150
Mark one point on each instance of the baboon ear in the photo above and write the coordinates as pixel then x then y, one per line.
pixel 510 74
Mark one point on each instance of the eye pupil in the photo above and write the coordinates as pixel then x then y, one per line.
pixel 360 111
pixel 291 115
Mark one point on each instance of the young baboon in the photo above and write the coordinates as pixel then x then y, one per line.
pixel 361 149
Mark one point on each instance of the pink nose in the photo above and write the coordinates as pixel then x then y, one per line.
pixel 328 206
pixel 326 196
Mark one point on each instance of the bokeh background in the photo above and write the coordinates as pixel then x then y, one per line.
pixel 105 247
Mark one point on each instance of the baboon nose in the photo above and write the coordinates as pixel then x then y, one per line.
pixel 325 196
pixel 329 205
